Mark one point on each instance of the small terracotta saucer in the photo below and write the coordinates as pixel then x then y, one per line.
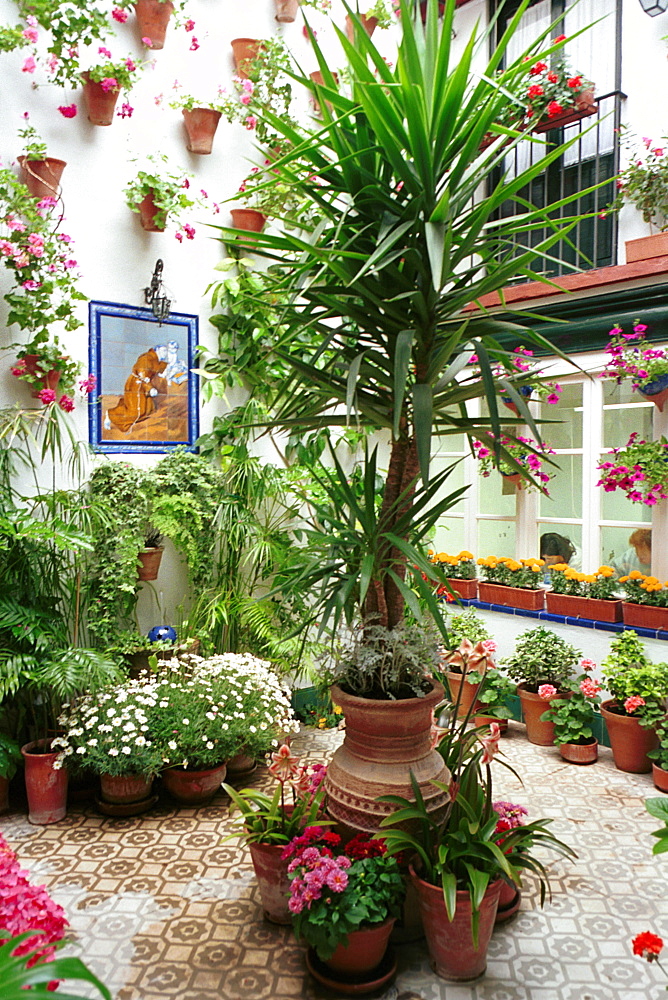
pixel 353 985
pixel 125 808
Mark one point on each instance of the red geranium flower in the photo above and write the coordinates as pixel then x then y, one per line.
pixel 647 945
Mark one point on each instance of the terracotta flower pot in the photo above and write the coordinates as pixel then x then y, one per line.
pixel 125 788
pixel 42 177
pixel 451 950
pixel 384 741
pixel 579 753
pixel 248 218
pixel 510 898
pixel 152 18
pixel 466 589
pixel 368 23
pixel 46 787
pixel 583 107
pixel 49 380
pixel 487 720
pixel 192 788
pixel 201 125
pixel 538 732
pixel 469 694
pixel 286 10
pixel 511 597
pixel 629 742
pixel 100 103
pixel 271 872
pixel 150 563
pixel 647 247
pixel 659 777
pixel 644 615
pixel 245 50
pixel 148 215
pixel 365 950
pixel 584 607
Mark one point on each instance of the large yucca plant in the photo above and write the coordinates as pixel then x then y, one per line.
pixel 410 232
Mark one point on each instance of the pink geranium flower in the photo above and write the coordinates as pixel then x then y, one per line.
pixel 547 691
pixel 47 396
pixel 632 703
pixel 68 110
pixel 119 15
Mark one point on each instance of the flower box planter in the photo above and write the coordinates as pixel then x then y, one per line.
pixel 584 607
pixel 647 247
pixel 645 615
pixel 583 108
pixel 152 18
pixel 466 589
pixel 511 597
pixel 42 177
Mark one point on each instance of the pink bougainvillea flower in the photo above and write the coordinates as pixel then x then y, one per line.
pixel 29 66
pixel 68 110
pixel 130 65
pixel 250 122
pixel 47 396
pixel 30 34
pixel 119 15
pixel 179 237
pixel 194 44
pixel 189 25
pixel 88 384
pixel 32 285
pixel 189 231
pixel 66 403
pixel 104 52
pixel 634 702
pixel 126 110
pixel 647 945
pixel 547 691
pixel 490 743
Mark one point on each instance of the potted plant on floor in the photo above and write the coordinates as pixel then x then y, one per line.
pixel 493 700
pixel 344 900
pixel 460 571
pixel 638 688
pixel 109 733
pixel 514 583
pixel 206 711
pixel 659 756
pixel 573 717
pixel 103 82
pixel 584 595
pixel 467 666
pixel 541 660
pixel 634 357
pixel 462 856
pixel 40 173
pixel 393 368
pixel 270 822
pixel 643 183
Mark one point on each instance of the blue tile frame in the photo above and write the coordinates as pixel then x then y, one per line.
pixel 189 325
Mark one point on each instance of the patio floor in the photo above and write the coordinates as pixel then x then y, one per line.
pixel 161 907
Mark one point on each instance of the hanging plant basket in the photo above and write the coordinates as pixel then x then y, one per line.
pixel 656 391
pixel 152 18
pixel 149 560
pixel 100 103
pixel 583 108
pixel 286 11
pixel 50 380
pixel 42 177
pixel 245 50
pixel 249 219
pixel 201 125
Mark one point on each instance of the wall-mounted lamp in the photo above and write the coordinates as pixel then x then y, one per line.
pixel 654 7
pixel 155 297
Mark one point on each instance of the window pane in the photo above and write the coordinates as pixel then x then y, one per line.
pixel 568 433
pixel 449 535
pixel 619 420
pixel 450 443
pixel 565 499
pixel 492 498
pixel 615 507
pixel 496 538
pixel 616 551
pixel 454 481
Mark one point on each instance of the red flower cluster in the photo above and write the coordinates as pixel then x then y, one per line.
pixel 362 846
pixel 310 836
pixel 648 946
